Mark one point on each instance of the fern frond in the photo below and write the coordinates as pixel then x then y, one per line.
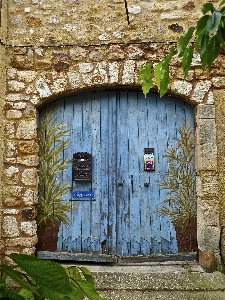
pixel 180 179
pixel 51 192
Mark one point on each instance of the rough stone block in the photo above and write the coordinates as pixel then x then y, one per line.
pixel 10 227
pixel 29 177
pixel 206 111
pixel 207 131
pixel 29 228
pixel 16 86
pixel 23 242
pixel 13 114
pixel 208 237
pixel 30 197
pixel 207 260
pixel 208 211
pixel 27 129
pixel 200 91
pixel 28 147
pixel 31 161
pixel 128 72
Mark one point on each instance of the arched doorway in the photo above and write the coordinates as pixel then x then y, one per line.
pixel 116 211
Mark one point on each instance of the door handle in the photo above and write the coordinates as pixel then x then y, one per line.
pixel 132 183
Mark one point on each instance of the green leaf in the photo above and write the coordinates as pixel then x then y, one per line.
pixel 165 78
pixel 27 294
pixel 86 286
pixel 73 273
pixel 187 60
pixel 222 2
pixel 203 51
pixel 10 295
pixel 184 40
pixel 87 275
pixel 213 22
pixel 222 10
pixel 200 31
pixel 89 290
pixel 41 271
pixel 164 81
pixel 210 51
pixel 208 7
pixel 202 23
pixel 157 73
pixel 213 51
pixel 18 278
pixel 145 77
pixel 169 56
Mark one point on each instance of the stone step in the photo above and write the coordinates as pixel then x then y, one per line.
pixel 161 295
pixel 175 280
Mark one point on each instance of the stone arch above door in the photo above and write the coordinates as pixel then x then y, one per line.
pixel 39 75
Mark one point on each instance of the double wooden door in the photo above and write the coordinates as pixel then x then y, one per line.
pixel 115 127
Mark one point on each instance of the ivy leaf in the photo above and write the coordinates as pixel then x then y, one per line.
pixel 184 40
pixel 165 80
pixel 18 278
pixel 26 294
pixel 41 272
pixel 157 73
pixel 145 77
pixel 11 295
pixel 187 60
pixel 213 51
pixel 83 285
pixel 208 7
pixel 213 22
pixel 162 73
pixel 200 31
pixel 222 10
pixel 203 51
pixel 222 2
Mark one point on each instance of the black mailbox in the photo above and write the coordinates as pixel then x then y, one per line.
pixel 82 166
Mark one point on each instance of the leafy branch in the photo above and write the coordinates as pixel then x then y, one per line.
pixel 206 38
pixel 51 191
pixel 39 279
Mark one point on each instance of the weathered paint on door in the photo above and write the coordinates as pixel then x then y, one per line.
pixel 115 127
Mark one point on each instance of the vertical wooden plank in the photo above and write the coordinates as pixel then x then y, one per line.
pixel 123 197
pixel 99 181
pixel 87 137
pixel 112 173
pixel 146 113
pixel 169 134
pixel 73 117
pixel 67 117
pixel 77 137
pixel 134 113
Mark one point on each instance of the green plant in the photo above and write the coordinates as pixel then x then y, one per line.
pixel 180 206
pixel 51 205
pixel 206 38
pixel 41 279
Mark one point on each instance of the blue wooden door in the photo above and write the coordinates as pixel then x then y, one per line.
pixel 115 127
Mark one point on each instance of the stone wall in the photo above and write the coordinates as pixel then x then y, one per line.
pixel 49 51
pixel 41 22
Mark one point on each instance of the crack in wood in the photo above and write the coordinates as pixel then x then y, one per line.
pixel 128 20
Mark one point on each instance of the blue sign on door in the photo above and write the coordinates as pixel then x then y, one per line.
pixel 83 194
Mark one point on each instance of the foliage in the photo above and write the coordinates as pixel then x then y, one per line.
pixel 206 38
pixel 51 191
pixel 42 279
pixel 180 206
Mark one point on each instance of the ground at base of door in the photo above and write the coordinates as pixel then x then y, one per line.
pixel 156 281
